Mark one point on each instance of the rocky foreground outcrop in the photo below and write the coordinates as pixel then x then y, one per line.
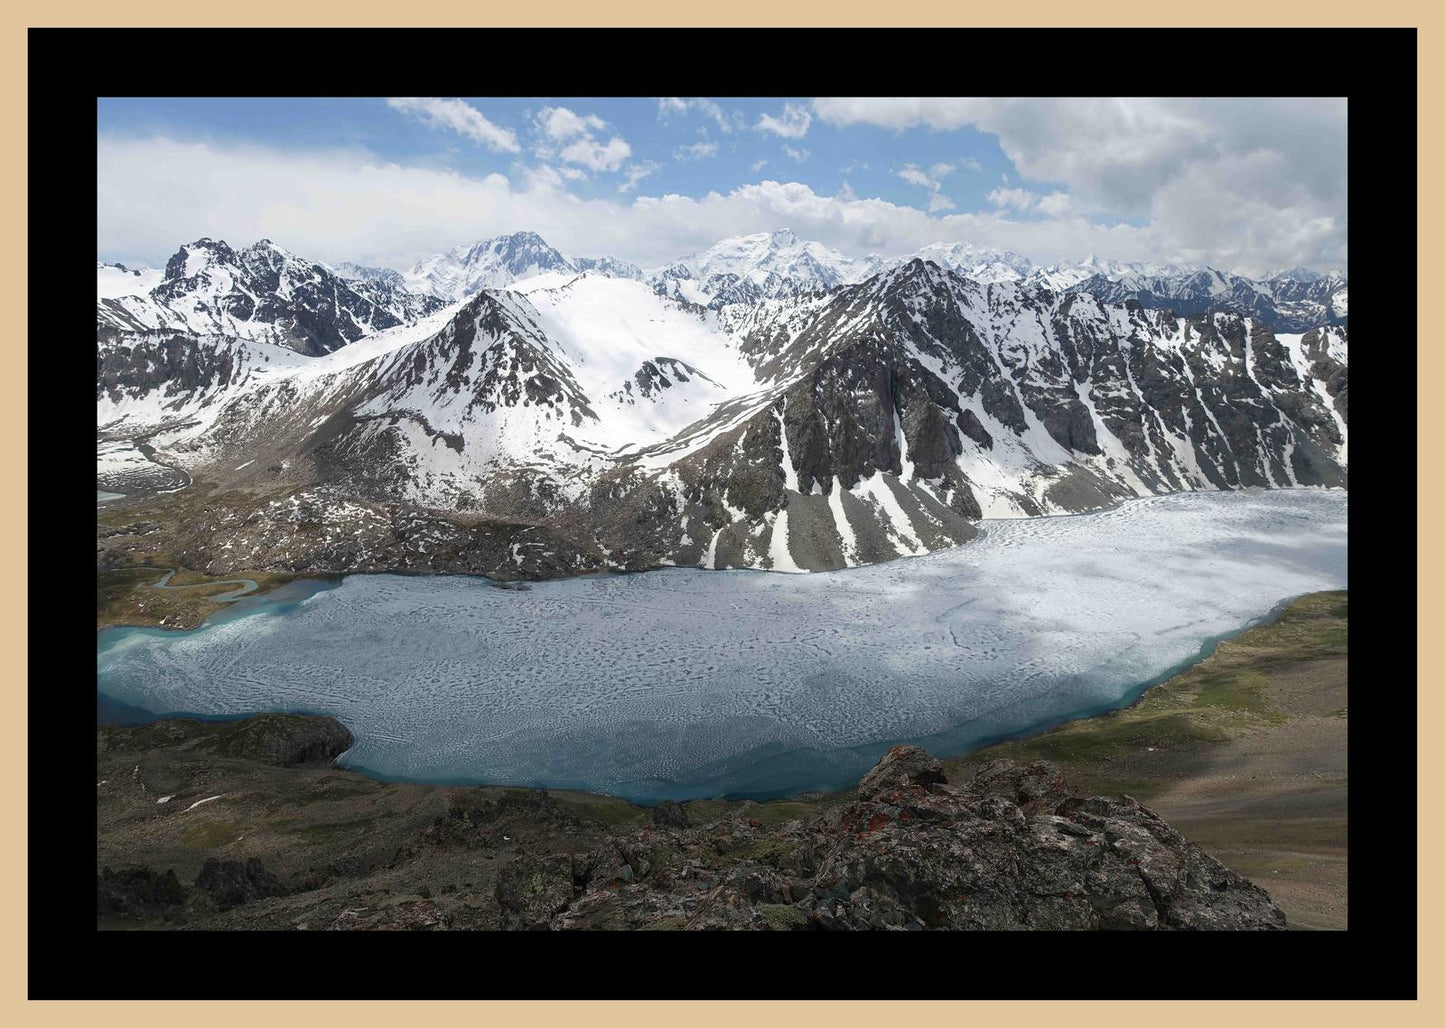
pixel 1014 847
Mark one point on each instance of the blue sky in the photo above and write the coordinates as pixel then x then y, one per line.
pixel 650 179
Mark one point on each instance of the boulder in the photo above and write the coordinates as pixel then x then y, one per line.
pixel 284 739
pixel 903 768
pixel 229 883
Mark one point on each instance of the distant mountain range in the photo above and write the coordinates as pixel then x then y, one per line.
pixel 767 265
pixel 507 409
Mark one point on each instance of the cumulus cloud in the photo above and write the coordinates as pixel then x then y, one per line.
pixel 911 174
pixel 458 116
pixel 668 106
pixel 759 165
pixel 558 123
pixel 635 173
pixel 791 124
pixel 333 205
pixel 695 151
pixel 1242 182
pixel 1018 199
pixel 590 153
pixel 347 204
pixel 932 180
pixel 801 154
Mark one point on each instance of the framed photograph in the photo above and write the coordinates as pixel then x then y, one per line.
pixel 592 530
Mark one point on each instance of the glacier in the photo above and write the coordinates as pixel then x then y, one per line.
pixel 684 683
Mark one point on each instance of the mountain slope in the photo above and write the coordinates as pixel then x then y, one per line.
pixel 814 431
pixel 1287 304
pixel 262 293
pixel 113 280
pixel 779 265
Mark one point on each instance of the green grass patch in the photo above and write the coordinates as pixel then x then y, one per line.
pixel 124 597
pixel 210 834
pixel 1227 694
pixel 782 917
pixel 606 810
pixel 330 831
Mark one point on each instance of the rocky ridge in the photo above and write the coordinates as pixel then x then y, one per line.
pixel 1015 847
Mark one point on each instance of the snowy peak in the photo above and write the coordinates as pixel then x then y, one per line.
pixel 979 263
pixel 492 263
pixel 115 280
pixel 262 292
pixel 763 265
pixel 1286 303
pixel 503 261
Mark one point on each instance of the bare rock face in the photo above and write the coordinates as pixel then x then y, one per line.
pixel 1014 848
pixel 229 883
pixel 137 892
pixel 902 769
pixel 285 739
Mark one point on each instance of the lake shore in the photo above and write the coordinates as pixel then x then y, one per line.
pixel 1244 754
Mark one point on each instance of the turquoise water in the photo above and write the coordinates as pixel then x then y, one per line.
pixel 683 683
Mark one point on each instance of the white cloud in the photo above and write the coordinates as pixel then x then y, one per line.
pixel 558 123
pixel 792 124
pixel 667 106
pixel 1018 199
pixel 798 155
pixel 846 193
pixel 588 152
pixel 1241 182
pixel 695 151
pixel 970 164
pixel 1055 204
pixel 458 116
pixel 932 180
pixel 713 111
pixel 635 173
pixel 911 174
pixel 332 205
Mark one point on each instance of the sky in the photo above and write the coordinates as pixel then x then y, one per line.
pixel 1246 185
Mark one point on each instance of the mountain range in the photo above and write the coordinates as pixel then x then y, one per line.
pixel 768 403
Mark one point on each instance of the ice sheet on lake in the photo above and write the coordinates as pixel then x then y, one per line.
pixel 685 683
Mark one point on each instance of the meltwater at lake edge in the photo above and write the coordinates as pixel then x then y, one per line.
pixel 683 683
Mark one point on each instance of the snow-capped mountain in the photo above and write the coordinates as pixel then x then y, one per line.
pixel 1067 274
pixel 462 271
pixel 772 265
pixel 1287 303
pixel 263 293
pixel 112 280
pixel 352 272
pixel 981 264
pixel 608 266
pixel 590 421
pixel 764 265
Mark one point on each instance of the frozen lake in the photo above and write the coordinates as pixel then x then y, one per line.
pixel 682 683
